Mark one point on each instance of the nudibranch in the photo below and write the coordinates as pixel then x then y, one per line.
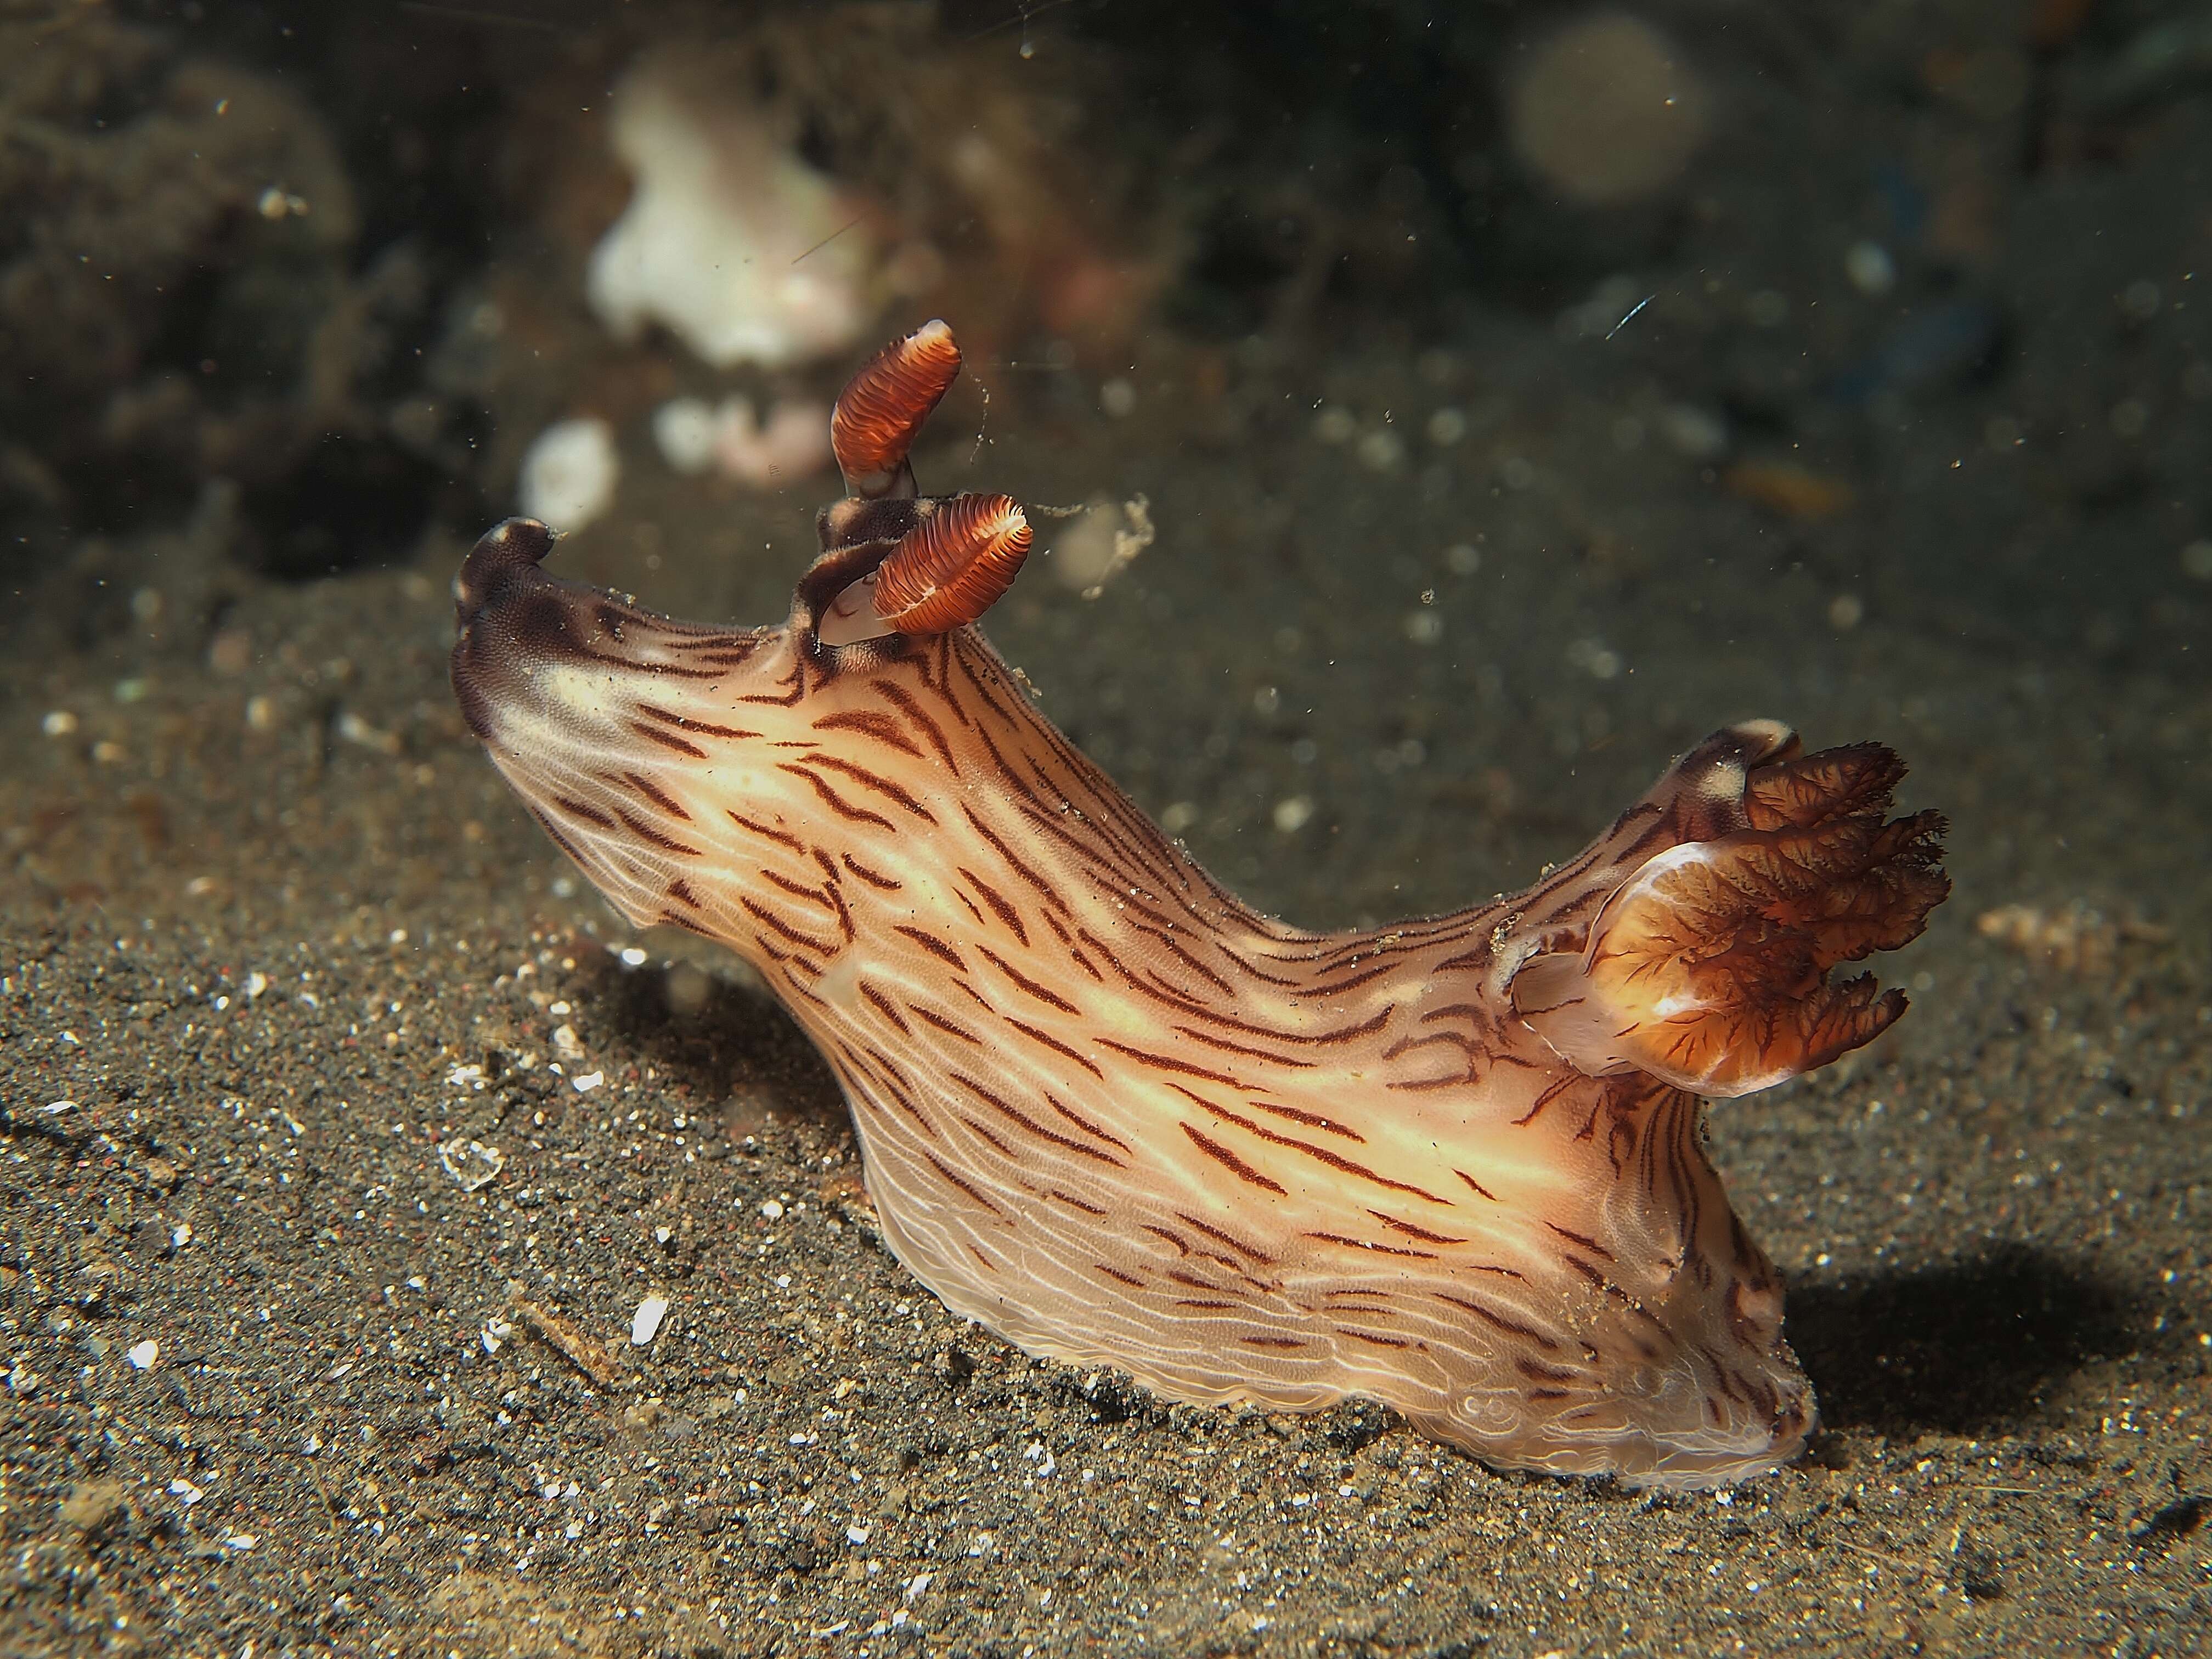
pixel 1106 1110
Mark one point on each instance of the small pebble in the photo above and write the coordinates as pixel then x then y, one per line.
pixel 569 474
pixel 1382 451
pixel 1869 267
pixel 684 429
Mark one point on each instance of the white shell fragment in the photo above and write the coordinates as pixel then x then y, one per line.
pixel 645 1323
pixel 471 1162
pixel 684 428
pixel 569 474
pixel 731 242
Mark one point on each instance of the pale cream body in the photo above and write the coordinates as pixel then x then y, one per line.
pixel 1119 1118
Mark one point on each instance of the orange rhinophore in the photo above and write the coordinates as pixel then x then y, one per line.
pixel 1456 1163
pixel 883 407
pixel 1708 967
pixel 952 566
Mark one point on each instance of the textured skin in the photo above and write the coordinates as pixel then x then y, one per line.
pixel 1120 1119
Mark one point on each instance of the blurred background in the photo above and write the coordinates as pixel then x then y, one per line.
pixel 1480 383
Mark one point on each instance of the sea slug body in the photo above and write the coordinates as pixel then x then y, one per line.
pixel 1453 1164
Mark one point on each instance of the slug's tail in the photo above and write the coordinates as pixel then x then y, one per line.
pixel 1708 966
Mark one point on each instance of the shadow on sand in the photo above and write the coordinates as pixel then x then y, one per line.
pixel 1963 1346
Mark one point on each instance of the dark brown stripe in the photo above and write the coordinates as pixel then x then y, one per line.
pixel 783 930
pixel 1335 1160
pixel 1018 866
pixel 1285 1342
pixel 576 809
pixel 1168 1063
pixel 799 889
pixel 646 832
pixel 1250 1252
pixel 1589 1244
pixel 1379 1341
pixel 782 836
pixel 997 901
pixel 1070 1198
pixel 1192 963
pixel 1053 1042
pixel 795 681
pixel 1352 981
pixel 833 887
pixel 668 740
pixel 1537 1371
pixel 937 947
pixel 1229 1048
pixel 1459 1040
pixel 1134 1283
pixel 867 1083
pixel 1476 1185
pixel 914 711
pixel 997 1144
pixel 1082 1123
pixel 870 724
pixel 1411 1231
pixel 1136 982
pixel 1416 1085
pixel 1311 1120
pixel 660 797
pixel 835 802
pixel 1348 1034
pixel 1490 1316
pixel 950 1027
pixel 938 1165
pixel 883 786
pixel 553 831
pixel 1167 1233
pixel 680 890
pixel 1176 1275
pixel 983 691
pixel 703 727
pixel 1013 1113
pixel 871 877
pixel 1048 822
pixel 1050 999
pixel 1546 1099
pixel 886 1007
pixel 1374 1244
